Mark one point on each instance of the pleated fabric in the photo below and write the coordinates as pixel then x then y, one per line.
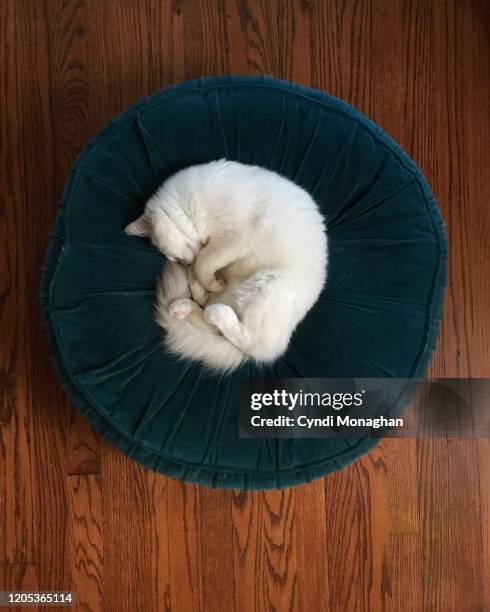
pixel 378 315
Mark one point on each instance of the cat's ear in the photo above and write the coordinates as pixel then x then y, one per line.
pixel 140 227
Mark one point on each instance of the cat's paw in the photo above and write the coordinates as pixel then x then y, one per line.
pixel 181 309
pixel 221 315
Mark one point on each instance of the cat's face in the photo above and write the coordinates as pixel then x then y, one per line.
pixel 166 236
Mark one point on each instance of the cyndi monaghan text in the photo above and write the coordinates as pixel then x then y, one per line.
pixel 329 421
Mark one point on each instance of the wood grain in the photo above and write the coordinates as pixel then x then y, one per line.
pixel 17 516
pixel 358 535
pixel 266 568
pixel 135 536
pixel 69 101
pixel 45 400
pixel 184 543
pixel 405 528
pixel 18 577
pixel 216 547
pixel 484 477
pixel 311 510
pixel 246 541
pixel 86 553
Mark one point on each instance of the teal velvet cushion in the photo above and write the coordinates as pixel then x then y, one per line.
pixel 378 316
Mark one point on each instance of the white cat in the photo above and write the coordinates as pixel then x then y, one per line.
pixel 258 249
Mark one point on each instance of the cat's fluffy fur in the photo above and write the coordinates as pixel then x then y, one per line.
pixel 247 255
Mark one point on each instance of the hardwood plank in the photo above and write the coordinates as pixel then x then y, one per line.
pixel 312 544
pixel 453 547
pixel 166 36
pixel 269 31
pixel 484 477
pixel 135 535
pixel 466 560
pixel 86 552
pixel 160 560
pixel 205 50
pixel 434 482
pixel 246 541
pixel 402 484
pixel 358 535
pixel 69 83
pixel 185 546
pixel 236 37
pixel 216 546
pixel 354 35
pixel 41 392
pixel 120 55
pixel 277 581
pixel 69 99
pixel 302 58
pixel 461 85
pixel 403 104
pixel 449 507
pixel 16 476
pixel 325 47
pixel 406 573
pixel 265 550
pixel 404 567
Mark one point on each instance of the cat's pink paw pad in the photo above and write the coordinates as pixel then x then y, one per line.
pixel 181 309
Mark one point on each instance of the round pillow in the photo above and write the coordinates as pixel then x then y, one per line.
pixel 378 315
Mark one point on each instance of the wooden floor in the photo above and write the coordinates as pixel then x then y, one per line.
pixel 405 528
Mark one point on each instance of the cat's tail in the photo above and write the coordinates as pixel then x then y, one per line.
pixel 192 337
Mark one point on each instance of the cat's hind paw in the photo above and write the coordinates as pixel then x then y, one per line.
pixel 181 309
pixel 221 315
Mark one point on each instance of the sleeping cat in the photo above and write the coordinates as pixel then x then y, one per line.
pixel 247 257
